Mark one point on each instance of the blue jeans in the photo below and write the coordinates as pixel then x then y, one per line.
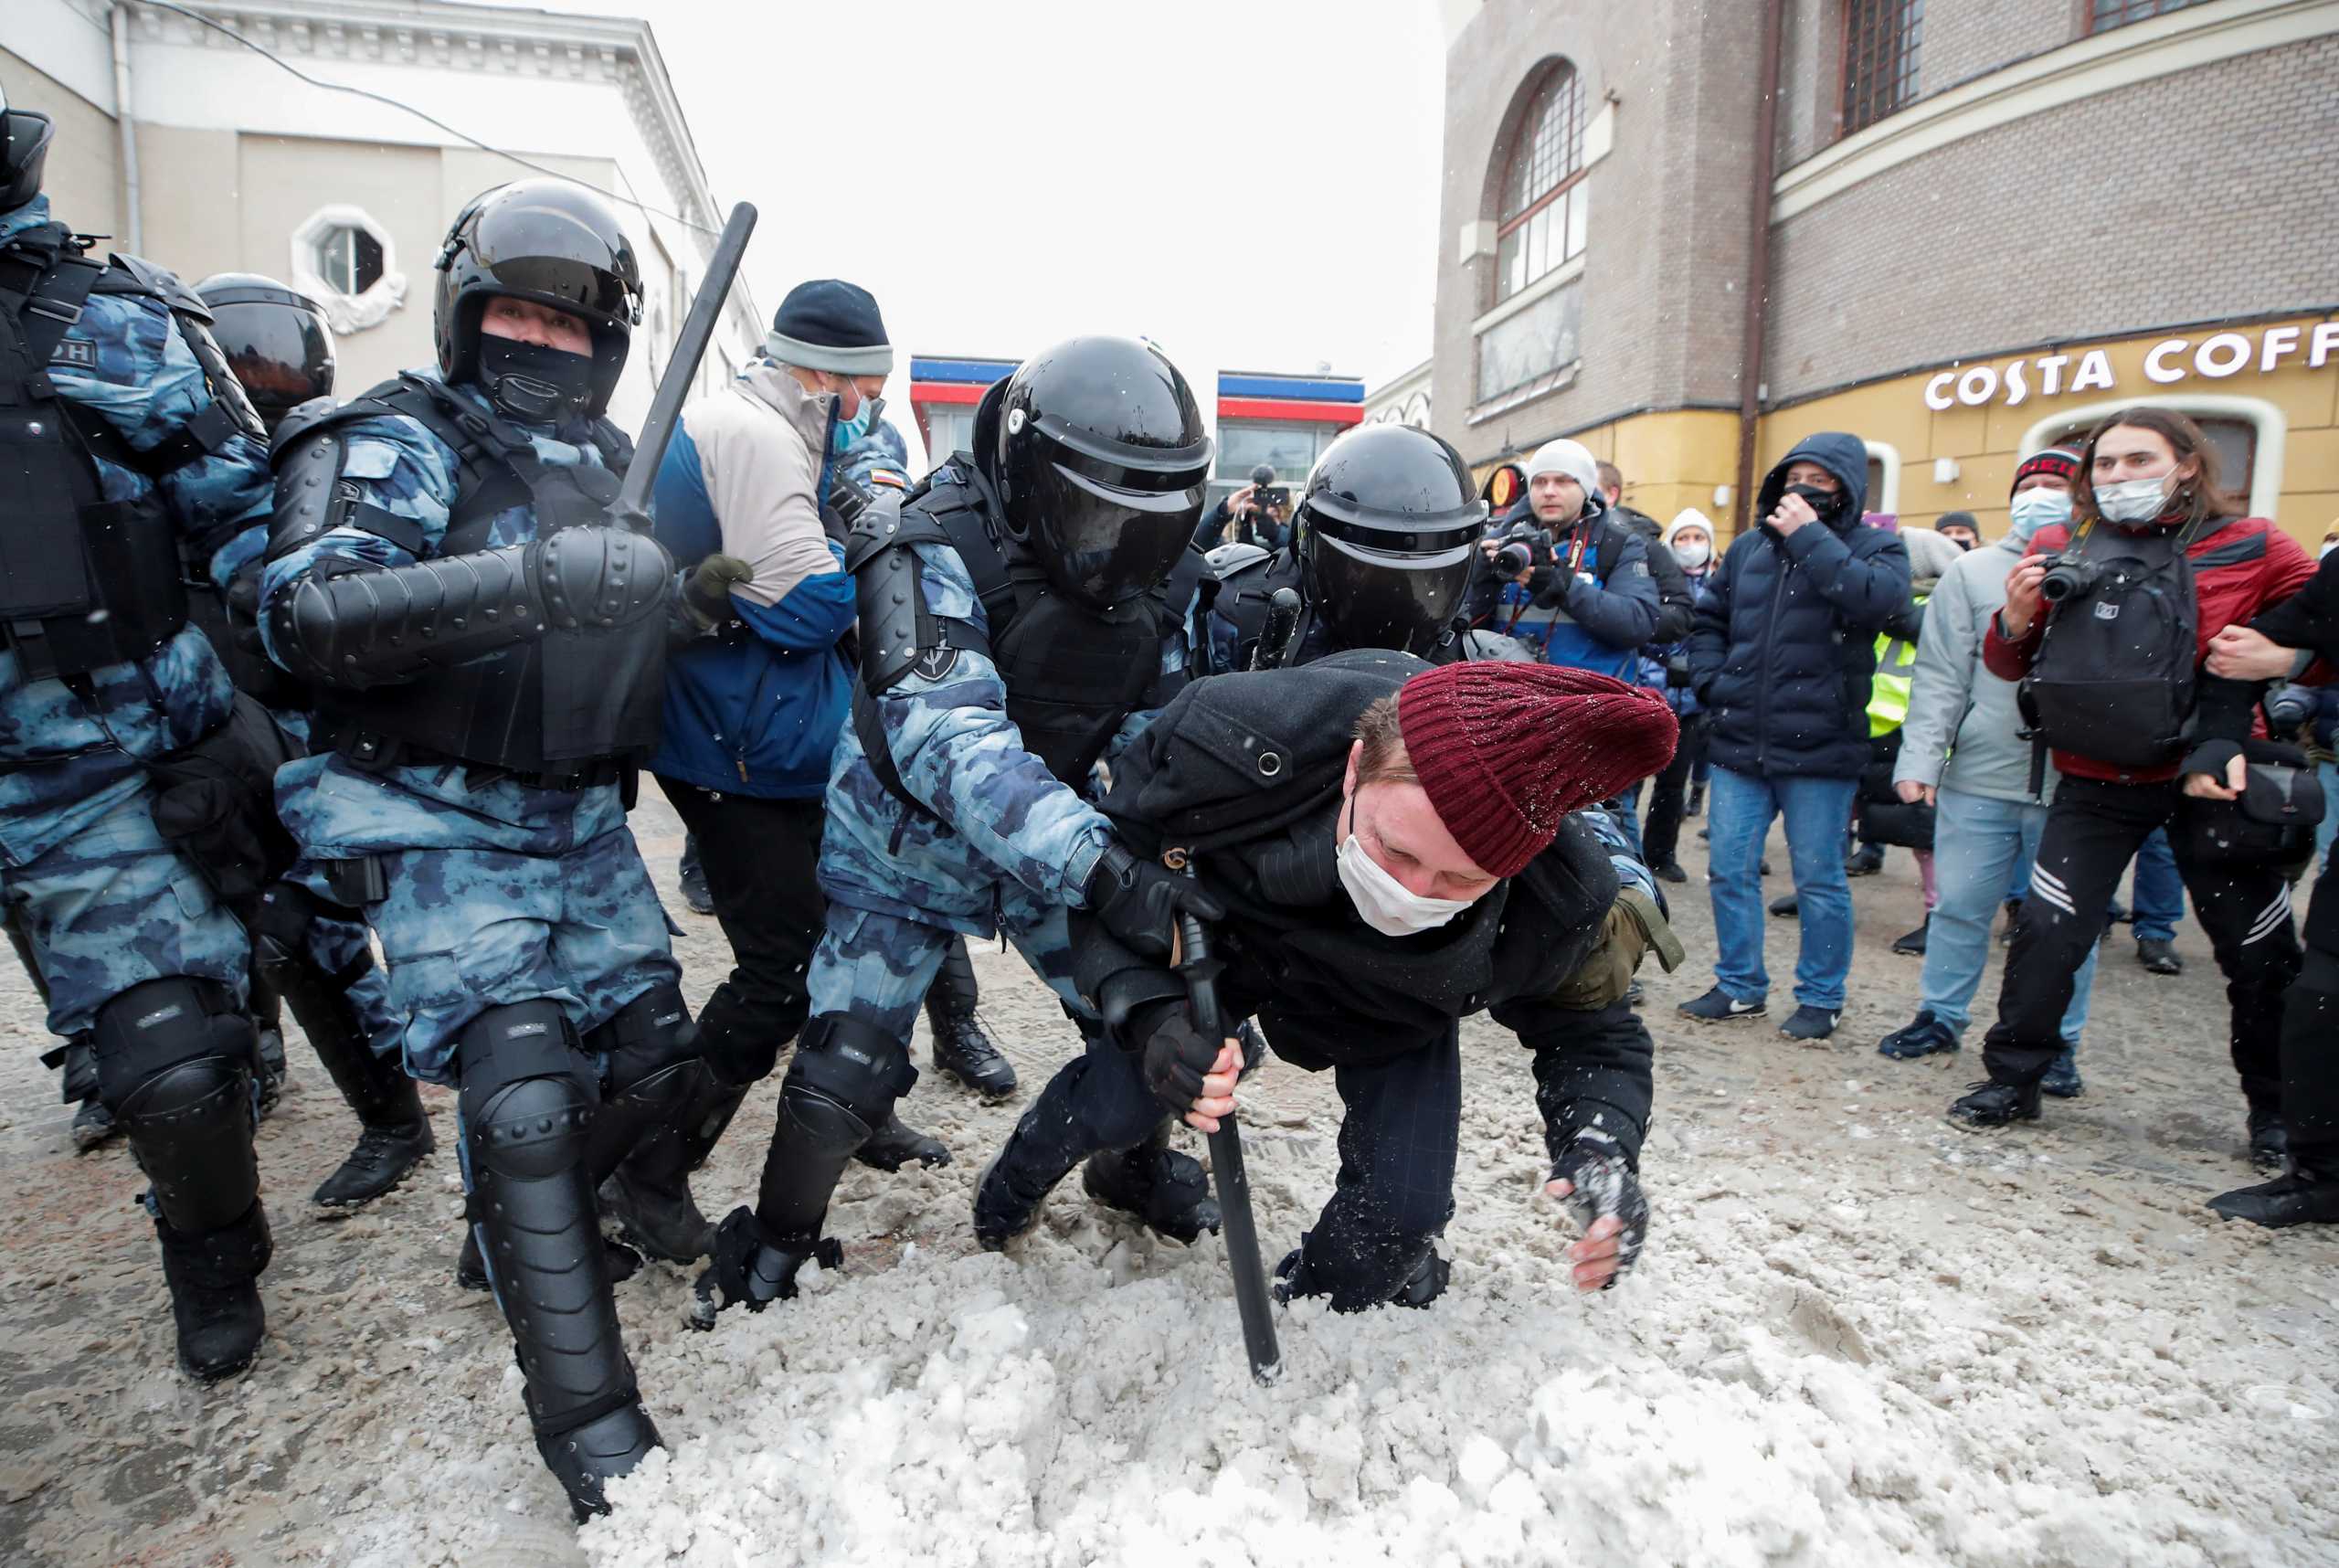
pixel 1739 811
pixel 2157 894
pixel 1979 844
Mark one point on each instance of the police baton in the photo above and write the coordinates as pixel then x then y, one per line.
pixel 631 509
pixel 1283 620
pixel 1241 1230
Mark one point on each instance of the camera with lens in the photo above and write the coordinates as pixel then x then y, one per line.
pixel 1524 545
pixel 2069 576
pixel 2288 705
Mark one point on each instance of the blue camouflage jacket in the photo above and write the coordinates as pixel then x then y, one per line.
pixel 128 358
pixel 1002 815
pixel 340 813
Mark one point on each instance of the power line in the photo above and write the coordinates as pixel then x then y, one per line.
pixel 384 98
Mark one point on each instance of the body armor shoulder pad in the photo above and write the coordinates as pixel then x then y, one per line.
pixel 1229 561
pixel 136 275
pixel 614 445
pixel 308 468
pixel 897 628
pixel 300 421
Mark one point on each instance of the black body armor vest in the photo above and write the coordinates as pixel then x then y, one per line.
pixel 1074 673
pixel 553 712
pixel 86 582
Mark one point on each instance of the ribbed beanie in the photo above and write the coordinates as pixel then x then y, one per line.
pixel 2054 460
pixel 831 324
pixel 1506 749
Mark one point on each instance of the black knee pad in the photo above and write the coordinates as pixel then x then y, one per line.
pixel 527 1095
pixel 646 1038
pixel 175 1061
pixel 850 1065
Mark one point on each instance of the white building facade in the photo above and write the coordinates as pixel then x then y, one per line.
pixel 229 164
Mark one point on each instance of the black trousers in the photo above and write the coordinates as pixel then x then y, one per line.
pixel 1401 1129
pixel 2092 831
pixel 2311 1041
pixel 760 857
pixel 1661 840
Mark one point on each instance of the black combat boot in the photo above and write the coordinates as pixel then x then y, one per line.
pixel 214 1293
pixel 2302 1197
pixel 649 1194
pixel 1166 1190
pixel 1013 1186
pixel 960 1047
pixel 394 1135
pixel 894 1143
pixel 1990 1103
pixel 2269 1141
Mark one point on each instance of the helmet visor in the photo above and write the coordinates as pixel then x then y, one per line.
pixel 281 354
pixel 1109 542
pixel 1384 598
pixel 549 254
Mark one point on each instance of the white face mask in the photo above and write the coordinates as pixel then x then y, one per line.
pixel 1693 556
pixel 1384 902
pixel 2041 508
pixel 2132 500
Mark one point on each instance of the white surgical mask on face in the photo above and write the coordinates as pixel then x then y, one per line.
pixel 1384 902
pixel 2132 500
pixel 1693 554
pixel 2035 509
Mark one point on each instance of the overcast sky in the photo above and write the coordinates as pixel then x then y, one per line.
pixel 1253 186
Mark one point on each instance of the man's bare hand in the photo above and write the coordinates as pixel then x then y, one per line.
pixel 2204 785
pixel 1791 514
pixel 1596 1256
pixel 2237 653
pixel 1217 1098
pixel 1912 793
pixel 2022 597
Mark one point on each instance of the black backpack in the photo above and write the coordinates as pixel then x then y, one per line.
pixel 2114 675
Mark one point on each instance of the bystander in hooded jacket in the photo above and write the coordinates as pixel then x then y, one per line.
pixel 1784 650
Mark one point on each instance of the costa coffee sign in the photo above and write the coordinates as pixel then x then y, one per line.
pixel 2217 357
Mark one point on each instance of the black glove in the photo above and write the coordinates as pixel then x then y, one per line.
pixel 1175 1054
pixel 1140 901
pixel 1602 1184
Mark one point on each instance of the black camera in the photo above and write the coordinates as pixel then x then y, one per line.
pixel 1523 545
pixel 2288 705
pixel 2069 576
pixel 1270 495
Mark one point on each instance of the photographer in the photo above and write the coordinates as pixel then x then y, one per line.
pixel 1590 573
pixel 2105 625
pixel 2276 646
pixel 1688 543
pixel 1783 657
pixel 1260 512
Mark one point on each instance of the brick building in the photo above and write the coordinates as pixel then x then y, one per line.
pixel 1982 224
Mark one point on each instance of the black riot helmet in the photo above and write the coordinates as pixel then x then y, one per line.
pixel 556 244
pixel 1101 463
pixel 1384 531
pixel 275 338
pixel 24 148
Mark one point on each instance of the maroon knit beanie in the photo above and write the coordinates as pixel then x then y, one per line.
pixel 1506 749
pixel 2054 460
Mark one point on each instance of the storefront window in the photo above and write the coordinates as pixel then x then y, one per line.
pixel 1543 219
pixel 1536 341
pixel 2106 15
pixel 1880 39
pixel 950 428
pixel 1290 450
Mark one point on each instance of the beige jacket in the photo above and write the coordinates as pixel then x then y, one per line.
pixel 760 443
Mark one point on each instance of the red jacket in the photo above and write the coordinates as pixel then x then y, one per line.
pixel 2238 569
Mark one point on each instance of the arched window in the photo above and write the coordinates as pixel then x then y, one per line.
pixel 1542 216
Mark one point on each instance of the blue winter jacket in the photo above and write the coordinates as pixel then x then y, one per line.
pixel 1783 650
pixel 755 709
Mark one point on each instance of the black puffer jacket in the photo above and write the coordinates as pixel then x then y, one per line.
pixel 1784 650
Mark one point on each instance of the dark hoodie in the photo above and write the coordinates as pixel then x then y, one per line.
pixel 1784 649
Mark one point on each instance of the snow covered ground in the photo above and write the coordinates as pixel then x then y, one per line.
pixel 1857 1336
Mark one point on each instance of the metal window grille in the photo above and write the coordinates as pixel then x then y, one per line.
pixel 2106 15
pixel 1880 47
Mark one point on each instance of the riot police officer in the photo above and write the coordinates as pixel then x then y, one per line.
pixel 279 346
pixel 1028 607
pixel 487 655
pixel 123 434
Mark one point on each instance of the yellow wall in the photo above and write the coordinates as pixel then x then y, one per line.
pixel 1669 460
pixel 1983 440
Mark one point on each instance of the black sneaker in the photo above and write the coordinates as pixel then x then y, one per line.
pixel 2158 957
pixel 2062 1079
pixel 1914 942
pixel 2013 913
pixel 2299 1198
pixel 1990 1103
pixel 1718 1006
pixel 1924 1035
pixel 1670 871
pixel 93 1125
pixel 1865 861
pixel 2269 1141
pixel 1165 1189
pixel 1786 907
pixel 693 881
pixel 1810 1023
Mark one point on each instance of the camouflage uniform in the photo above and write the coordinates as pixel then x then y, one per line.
pixel 79 857
pixel 497 892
